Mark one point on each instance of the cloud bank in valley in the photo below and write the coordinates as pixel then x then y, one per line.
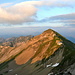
pixel 24 12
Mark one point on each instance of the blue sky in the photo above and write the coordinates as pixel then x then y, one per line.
pixel 37 13
pixel 22 12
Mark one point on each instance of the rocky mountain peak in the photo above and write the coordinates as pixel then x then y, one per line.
pixel 45 54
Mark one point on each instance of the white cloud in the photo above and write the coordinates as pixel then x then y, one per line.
pixel 18 13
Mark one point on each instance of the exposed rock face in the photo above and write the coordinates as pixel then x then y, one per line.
pixel 46 54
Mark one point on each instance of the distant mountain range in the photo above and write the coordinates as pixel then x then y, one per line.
pixel 14 41
pixel 46 54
